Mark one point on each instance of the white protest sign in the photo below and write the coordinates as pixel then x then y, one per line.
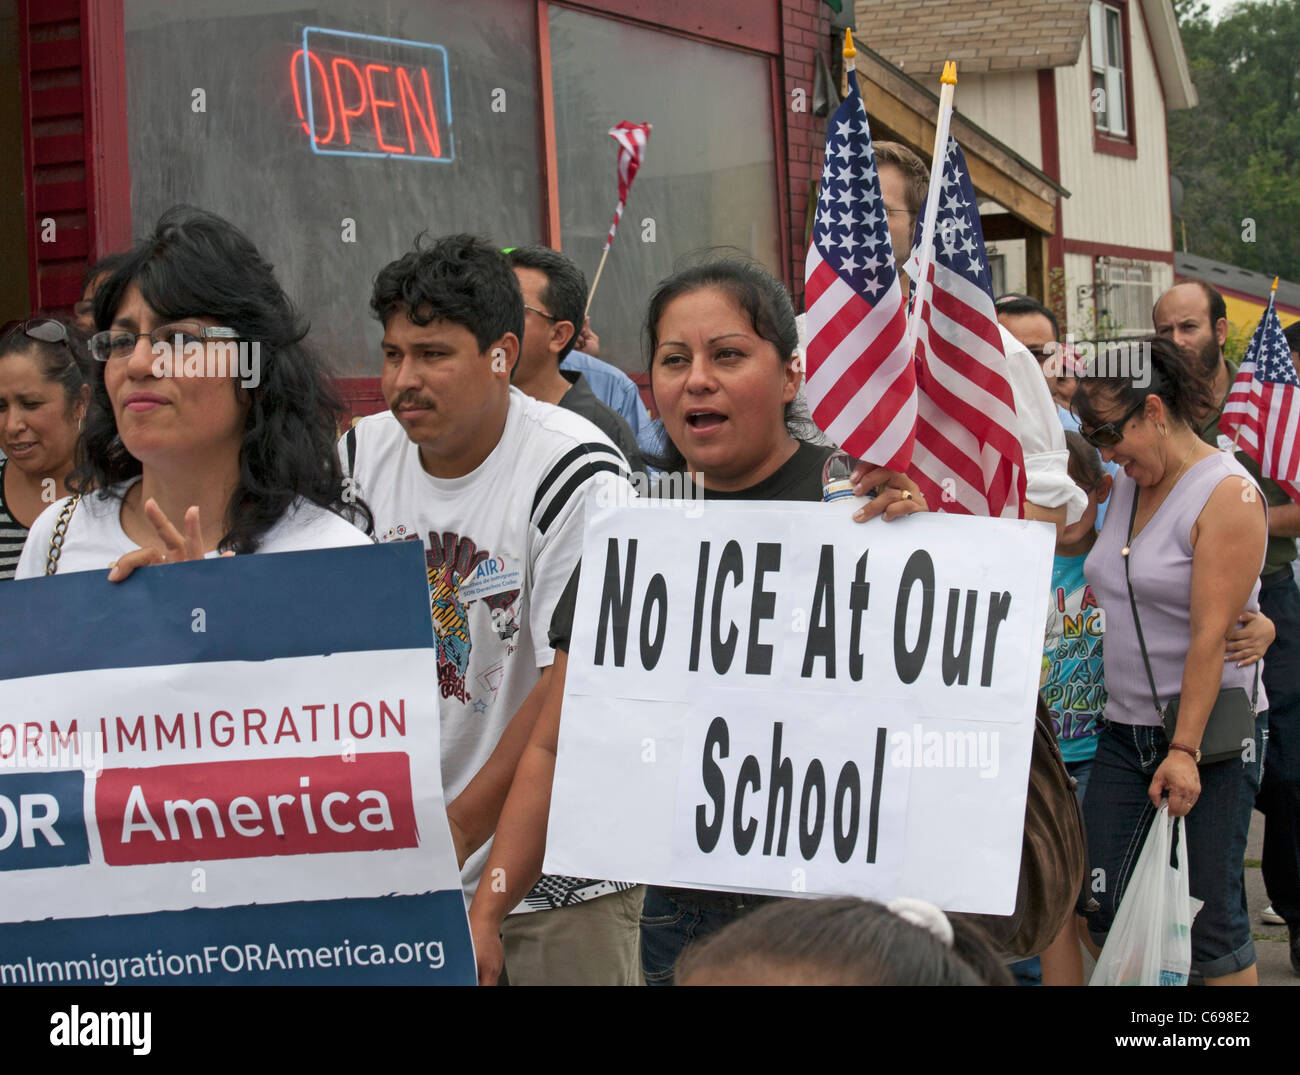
pixel 786 701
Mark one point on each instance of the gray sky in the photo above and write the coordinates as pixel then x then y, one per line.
pixel 1219 7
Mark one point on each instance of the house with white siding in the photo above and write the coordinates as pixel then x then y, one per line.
pixel 1077 89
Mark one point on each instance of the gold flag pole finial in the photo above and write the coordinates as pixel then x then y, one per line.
pixel 1275 283
pixel 849 50
pixel 949 76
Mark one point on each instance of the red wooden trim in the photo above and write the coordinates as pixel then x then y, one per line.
pixel 740 23
pixel 103 80
pixel 734 37
pixel 1113 147
pixel 781 162
pixel 29 159
pixel 51 55
pixel 1110 144
pixel 53 11
pixel 57 149
pixel 361 396
pixel 1113 250
pixel 56 102
pixel 550 167
pixel 1050 138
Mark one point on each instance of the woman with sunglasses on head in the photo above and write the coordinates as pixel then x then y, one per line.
pixel 43 397
pixel 190 450
pixel 1177 560
pixel 721 339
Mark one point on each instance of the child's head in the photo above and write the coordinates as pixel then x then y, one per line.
pixel 1088 474
pixel 844 942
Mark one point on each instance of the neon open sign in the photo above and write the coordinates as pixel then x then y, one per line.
pixel 363 96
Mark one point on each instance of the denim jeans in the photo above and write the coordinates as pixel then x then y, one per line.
pixel 1279 794
pixel 1081 771
pixel 667 927
pixel 1118 814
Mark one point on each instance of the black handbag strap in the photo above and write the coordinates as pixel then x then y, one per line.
pixel 1126 553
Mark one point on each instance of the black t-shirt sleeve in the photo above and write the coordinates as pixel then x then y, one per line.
pixel 561 629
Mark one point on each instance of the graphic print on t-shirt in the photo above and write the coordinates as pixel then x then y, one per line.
pixel 1075 691
pixel 459 574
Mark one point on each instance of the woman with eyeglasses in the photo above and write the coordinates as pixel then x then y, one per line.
pixel 1177 560
pixel 211 426
pixel 43 397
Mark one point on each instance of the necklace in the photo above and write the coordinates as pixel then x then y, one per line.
pixel 1179 471
pixel 1136 495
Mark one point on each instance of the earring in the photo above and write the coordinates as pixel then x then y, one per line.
pixel 1164 430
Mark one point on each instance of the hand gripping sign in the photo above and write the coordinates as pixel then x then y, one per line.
pixel 792 703
pixel 210 776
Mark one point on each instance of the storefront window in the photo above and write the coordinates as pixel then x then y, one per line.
pixel 709 173
pixel 425 113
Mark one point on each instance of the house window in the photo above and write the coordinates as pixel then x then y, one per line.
pixel 1125 294
pixel 1109 100
pixel 998 272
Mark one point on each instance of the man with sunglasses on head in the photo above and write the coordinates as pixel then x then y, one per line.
pixel 1195 317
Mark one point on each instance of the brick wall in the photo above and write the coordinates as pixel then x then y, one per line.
pixel 805 30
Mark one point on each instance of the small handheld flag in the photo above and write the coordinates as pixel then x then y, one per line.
pixel 861 384
pixel 968 457
pixel 1263 409
pixel 631 139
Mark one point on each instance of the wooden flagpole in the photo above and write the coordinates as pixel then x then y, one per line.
pixel 947 89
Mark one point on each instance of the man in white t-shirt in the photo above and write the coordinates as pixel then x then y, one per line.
pixel 495 484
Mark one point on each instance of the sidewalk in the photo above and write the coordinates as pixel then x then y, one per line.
pixel 1270 941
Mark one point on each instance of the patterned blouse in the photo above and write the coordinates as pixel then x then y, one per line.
pixel 12 533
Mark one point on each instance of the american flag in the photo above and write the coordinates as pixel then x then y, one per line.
pixel 967 457
pixel 631 139
pixel 1263 408
pixel 861 382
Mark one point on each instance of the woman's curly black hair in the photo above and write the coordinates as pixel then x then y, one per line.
pixel 195 264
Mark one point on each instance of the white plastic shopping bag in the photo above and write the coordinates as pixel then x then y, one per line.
pixel 1150 942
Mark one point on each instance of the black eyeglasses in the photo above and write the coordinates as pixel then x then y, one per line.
pixel 44 329
pixel 549 317
pixel 1109 434
pixel 118 343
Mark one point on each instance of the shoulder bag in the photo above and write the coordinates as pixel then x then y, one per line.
pixel 1232 720
pixel 55 550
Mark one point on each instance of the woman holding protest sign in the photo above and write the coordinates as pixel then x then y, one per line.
pixel 189 449
pixel 1176 561
pixel 721 339
pixel 43 397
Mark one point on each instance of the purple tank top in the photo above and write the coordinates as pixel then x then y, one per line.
pixel 1160 563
